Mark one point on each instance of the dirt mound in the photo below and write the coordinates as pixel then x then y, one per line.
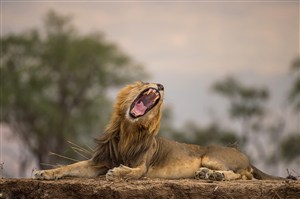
pixel 146 188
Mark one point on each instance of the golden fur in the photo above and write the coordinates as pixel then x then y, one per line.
pixel 130 148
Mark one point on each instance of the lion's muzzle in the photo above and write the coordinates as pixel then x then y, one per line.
pixel 145 101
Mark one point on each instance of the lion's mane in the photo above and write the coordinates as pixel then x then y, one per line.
pixel 125 140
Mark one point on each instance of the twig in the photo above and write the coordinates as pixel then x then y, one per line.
pixel 76 149
pixel 1 169
pixel 79 147
pixel 90 148
pixel 33 171
pixel 50 165
pixel 79 153
pixel 277 195
pixel 62 156
pixel 290 176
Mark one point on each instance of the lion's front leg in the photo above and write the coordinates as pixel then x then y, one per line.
pixel 124 172
pixel 79 169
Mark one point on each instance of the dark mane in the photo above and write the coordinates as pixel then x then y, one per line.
pixel 115 149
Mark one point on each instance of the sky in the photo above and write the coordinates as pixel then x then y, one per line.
pixel 187 46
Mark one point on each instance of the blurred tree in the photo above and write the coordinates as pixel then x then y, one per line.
pixel 290 148
pixel 294 95
pixel 211 134
pixel 246 104
pixel 167 128
pixel 195 134
pixel 54 83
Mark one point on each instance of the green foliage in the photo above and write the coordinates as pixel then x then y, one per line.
pixel 195 134
pixel 245 101
pixel 247 104
pixel 290 148
pixel 294 95
pixel 54 83
pixel 211 134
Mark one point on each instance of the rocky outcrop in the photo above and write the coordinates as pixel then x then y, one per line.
pixel 147 188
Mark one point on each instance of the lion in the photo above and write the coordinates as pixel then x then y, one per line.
pixel 129 148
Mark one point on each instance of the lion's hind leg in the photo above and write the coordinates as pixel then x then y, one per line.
pixel 218 175
pixel 231 163
pixel 207 174
pixel 240 175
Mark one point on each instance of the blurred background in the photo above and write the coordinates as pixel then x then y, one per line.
pixel 231 72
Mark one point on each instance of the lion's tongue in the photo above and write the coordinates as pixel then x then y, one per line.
pixel 139 108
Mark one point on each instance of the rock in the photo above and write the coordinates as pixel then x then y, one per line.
pixel 147 188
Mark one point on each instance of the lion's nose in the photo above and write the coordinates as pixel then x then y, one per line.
pixel 160 87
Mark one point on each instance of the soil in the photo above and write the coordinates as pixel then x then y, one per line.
pixel 147 188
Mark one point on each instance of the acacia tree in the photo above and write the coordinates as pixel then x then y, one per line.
pixel 54 84
pixel 246 105
pixel 290 144
pixel 196 134
pixel 294 95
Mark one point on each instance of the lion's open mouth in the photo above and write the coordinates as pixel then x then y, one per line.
pixel 144 102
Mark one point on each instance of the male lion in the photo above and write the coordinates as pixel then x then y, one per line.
pixel 130 149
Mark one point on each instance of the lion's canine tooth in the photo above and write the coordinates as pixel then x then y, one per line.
pixel 149 91
pixel 157 97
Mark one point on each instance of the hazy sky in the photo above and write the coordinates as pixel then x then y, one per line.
pixel 188 46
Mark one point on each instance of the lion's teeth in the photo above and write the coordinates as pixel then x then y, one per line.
pixel 149 91
pixel 157 97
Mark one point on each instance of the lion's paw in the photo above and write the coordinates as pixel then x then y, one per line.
pixel 45 175
pixel 202 173
pixel 206 174
pixel 216 176
pixel 118 173
pixel 110 175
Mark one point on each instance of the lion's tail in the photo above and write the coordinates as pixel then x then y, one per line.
pixel 258 174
